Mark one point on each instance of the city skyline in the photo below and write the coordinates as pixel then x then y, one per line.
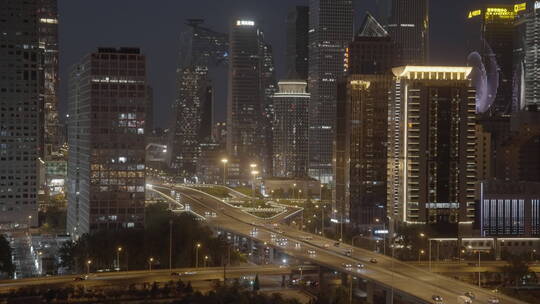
pixel 148 32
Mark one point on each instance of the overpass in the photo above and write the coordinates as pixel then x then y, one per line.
pixel 397 279
pixel 111 278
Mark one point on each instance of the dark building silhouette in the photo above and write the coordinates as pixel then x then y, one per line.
pixel 330 32
pixel 408 25
pixel 297 41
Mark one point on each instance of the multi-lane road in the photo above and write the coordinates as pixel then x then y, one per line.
pixel 401 278
pixel 109 278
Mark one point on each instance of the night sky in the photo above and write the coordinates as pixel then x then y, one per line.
pixel 155 27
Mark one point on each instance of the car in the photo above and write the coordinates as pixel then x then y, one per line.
pixel 464 300
pixel 470 294
pixel 493 300
pixel 348 252
pixel 346 265
pixel 438 299
pixel 80 278
pixel 336 244
pixel 326 245
pixel 307 238
pixel 311 252
pixel 373 260
pixel 175 274
pixel 360 266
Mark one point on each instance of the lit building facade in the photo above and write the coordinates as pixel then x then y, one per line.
pixel 509 208
pixel 201 50
pixel 48 42
pixel 291 106
pixel 106 165
pixel 431 146
pixel 330 32
pixel 408 25
pixel 21 109
pixel 268 87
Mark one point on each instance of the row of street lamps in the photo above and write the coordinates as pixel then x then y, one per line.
pixel 151 259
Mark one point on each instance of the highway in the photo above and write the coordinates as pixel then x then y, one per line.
pixel 108 278
pixel 415 283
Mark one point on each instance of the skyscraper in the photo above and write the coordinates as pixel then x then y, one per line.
pixel 268 89
pixel 106 166
pixel 48 42
pixel 245 105
pixel 21 110
pixel 531 81
pixel 297 41
pixel 496 25
pixel 363 128
pixel 201 50
pixel 431 146
pixel 408 26
pixel 330 31
pixel 291 106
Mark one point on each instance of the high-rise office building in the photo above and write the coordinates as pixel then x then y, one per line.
pixel 291 106
pixel 201 50
pixel 531 46
pixel 361 133
pixel 330 32
pixel 268 87
pixel 245 119
pixel 497 29
pixel 408 25
pixel 297 41
pixel 106 166
pixel 48 42
pixel 21 109
pixel 431 146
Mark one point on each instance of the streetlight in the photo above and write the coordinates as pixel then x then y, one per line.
pixel 294 190
pixel 118 250
pixel 420 253
pixel 254 175
pixel 205 260
pixel 422 235
pixel 150 260
pixel 224 161
pixel 88 266
pixel 197 255
pixel 320 192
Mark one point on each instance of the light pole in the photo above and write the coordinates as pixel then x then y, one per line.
pixel 420 253
pixel 423 235
pixel 150 260
pixel 254 175
pixel 294 191
pixel 205 260
pixel 170 244
pixel 118 250
pixel 224 161
pixel 320 192
pixel 88 266
pixel 197 255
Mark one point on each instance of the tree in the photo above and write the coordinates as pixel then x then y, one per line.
pixel 517 268
pixel 6 264
pixel 256 284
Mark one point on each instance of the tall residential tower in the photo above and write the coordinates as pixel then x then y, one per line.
pixel 431 146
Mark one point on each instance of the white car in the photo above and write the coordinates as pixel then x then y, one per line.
pixel 493 300
pixel 346 265
pixel 311 252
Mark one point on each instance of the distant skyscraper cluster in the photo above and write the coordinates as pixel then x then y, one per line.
pixel 362 109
